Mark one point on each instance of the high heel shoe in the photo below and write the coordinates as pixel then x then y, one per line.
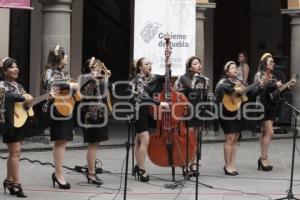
pixel 228 173
pixel 6 184
pixel 61 186
pixel 194 171
pixel 141 174
pixel 96 181
pixel 260 166
pixel 15 189
pixel 186 172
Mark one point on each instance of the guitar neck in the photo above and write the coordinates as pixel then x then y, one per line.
pixel 250 87
pixel 39 99
pixel 285 86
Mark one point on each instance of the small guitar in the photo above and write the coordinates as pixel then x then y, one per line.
pixel 271 99
pixel 22 110
pixel 234 101
pixel 65 101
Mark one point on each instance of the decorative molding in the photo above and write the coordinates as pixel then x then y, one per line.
pixel 205 5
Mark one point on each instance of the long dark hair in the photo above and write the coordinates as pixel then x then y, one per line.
pixel 136 65
pixel 188 65
pixel 245 55
pixel 55 56
pixel 263 63
pixel 6 64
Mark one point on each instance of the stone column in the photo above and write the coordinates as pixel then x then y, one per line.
pixel 295 49
pixel 200 41
pixel 56 26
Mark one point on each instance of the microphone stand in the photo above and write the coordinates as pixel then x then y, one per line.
pixel 296 114
pixel 130 133
pixel 199 143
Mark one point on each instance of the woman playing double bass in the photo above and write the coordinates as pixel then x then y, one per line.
pixel 194 85
pixel 144 85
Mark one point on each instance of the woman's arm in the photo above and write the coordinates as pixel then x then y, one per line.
pixel 245 73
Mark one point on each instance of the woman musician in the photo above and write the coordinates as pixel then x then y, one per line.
pixel 270 83
pixel 232 127
pixel 194 85
pixel 54 80
pixel 94 88
pixel 144 85
pixel 12 92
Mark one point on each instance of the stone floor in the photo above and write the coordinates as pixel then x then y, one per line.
pixel 250 184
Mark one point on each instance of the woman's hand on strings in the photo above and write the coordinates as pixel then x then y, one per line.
pixel 54 91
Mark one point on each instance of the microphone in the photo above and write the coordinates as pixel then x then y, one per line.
pixel 296 110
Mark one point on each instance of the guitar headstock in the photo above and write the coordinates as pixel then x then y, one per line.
pixel 295 77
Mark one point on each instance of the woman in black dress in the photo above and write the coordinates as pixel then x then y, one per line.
pixel 231 122
pixel 61 127
pixel 144 85
pixel 12 92
pixel 194 85
pixel 94 113
pixel 270 84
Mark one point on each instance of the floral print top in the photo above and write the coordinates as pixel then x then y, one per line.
pixel 50 77
pixel 94 91
pixel 144 87
pixel 16 89
pixel 194 87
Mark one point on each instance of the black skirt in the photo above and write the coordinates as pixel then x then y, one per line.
pixel 270 114
pixel 16 135
pixel 234 125
pixel 144 120
pixel 95 134
pixel 61 129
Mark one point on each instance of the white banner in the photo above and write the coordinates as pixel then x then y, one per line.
pixel 153 19
pixel 21 4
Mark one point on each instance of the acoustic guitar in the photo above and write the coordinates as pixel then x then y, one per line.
pixel 65 101
pixel 234 101
pixel 22 110
pixel 271 99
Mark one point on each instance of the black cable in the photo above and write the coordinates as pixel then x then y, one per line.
pixel 242 192
pixel 120 179
pixel 76 168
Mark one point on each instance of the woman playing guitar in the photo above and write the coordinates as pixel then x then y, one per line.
pixel 232 127
pixel 270 84
pixel 12 92
pixel 94 87
pixel 194 85
pixel 144 85
pixel 56 79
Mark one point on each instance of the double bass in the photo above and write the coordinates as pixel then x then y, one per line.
pixel 171 145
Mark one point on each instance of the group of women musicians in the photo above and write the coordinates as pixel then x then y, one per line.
pixel 193 84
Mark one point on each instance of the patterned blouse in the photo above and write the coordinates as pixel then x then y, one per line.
pixel 50 77
pixel 94 91
pixel 193 86
pixel 269 85
pixel 144 87
pixel 16 89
